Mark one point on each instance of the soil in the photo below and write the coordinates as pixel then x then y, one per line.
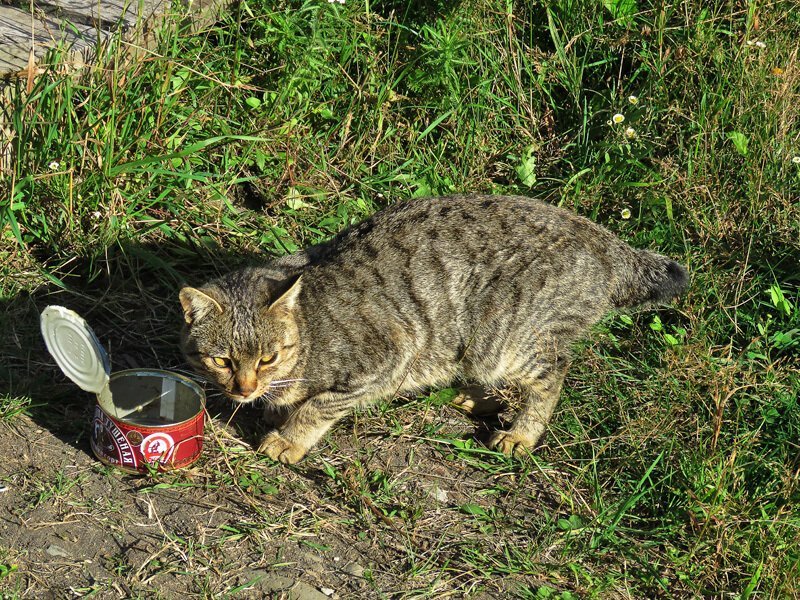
pixel 366 515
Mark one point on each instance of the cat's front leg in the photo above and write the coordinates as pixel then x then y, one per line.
pixel 302 430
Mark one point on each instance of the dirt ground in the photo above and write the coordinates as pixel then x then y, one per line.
pixel 368 521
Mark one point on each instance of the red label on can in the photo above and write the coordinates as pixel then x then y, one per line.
pixel 109 442
pixel 133 447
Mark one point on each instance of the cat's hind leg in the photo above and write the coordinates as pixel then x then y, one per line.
pixel 540 393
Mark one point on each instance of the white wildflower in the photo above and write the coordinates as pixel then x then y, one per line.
pixel 630 133
pixel 625 213
pixel 633 100
pixel 54 165
pixel 618 118
pixel 749 42
pixel 96 215
pixel 796 160
pixel 761 45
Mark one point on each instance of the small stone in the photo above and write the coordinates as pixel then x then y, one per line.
pixel 313 557
pixel 438 494
pixel 54 550
pixel 304 591
pixel 327 591
pixel 354 569
pixel 270 583
pixel 267 581
pixel 3 488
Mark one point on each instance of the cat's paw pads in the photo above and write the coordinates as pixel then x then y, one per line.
pixel 475 401
pixel 279 448
pixel 512 443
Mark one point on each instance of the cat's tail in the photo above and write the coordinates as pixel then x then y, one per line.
pixel 649 278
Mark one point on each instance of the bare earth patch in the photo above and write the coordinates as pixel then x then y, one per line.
pixel 380 508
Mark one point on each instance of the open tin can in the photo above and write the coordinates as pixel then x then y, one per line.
pixel 144 418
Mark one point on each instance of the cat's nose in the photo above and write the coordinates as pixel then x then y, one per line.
pixel 246 383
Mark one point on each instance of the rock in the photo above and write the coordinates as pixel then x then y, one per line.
pixel 54 550
pixel 327 591
pixel 313 557
pixel 354 569
pixel 269 582
pixel 302 591
pixel 285 587
pixel 437 494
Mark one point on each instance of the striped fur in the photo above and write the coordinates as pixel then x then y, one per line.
pixel 488 289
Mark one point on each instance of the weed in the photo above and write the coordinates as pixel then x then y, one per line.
pixel 10 407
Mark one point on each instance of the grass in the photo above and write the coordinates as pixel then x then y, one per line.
pixel 671 467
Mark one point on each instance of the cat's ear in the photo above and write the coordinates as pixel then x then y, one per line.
pixel 197 303
pixel 288 300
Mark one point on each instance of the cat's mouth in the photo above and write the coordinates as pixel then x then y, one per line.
pixel 245 399
pixel 271 393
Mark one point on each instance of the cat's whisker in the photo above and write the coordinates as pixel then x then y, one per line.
pixel 269 400
pixel 271 395
pixel 194 376
pixel 288 381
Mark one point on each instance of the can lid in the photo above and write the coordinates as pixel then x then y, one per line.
pixel 74 346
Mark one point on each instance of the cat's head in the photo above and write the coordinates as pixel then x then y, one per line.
pixel 241 333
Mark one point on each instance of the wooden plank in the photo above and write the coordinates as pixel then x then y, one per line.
pixel 77 25
pixel 19 31
pixel 107 15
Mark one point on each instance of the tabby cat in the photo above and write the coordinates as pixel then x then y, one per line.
pixel 490 290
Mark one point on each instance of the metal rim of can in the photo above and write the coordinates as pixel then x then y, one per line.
pixel 193 385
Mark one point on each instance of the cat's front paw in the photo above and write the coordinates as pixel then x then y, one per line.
pixel 512 443
pixel 279 448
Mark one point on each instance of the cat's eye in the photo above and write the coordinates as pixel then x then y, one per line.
pixel 268 359
pixel 220 361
